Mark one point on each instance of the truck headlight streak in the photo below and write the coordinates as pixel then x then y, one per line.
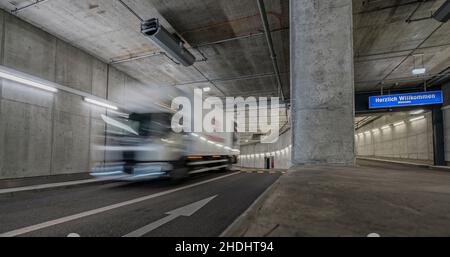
pixel 21 78
pixel 101 104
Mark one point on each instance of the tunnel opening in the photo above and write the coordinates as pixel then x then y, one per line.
pixel 404 135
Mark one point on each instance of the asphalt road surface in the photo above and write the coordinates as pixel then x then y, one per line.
pixel 204 205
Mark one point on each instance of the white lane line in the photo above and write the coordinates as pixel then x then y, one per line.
pixel 53 185
pixel 50 223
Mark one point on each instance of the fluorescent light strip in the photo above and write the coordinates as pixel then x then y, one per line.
pixel 28 80
pixel 399 123
pixel 101 104
pixel 417 112
pixel 16 77
pixel 385 127
pixel 417 118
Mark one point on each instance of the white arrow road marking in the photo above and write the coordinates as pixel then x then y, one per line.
pixel 185 211
pixel 50 223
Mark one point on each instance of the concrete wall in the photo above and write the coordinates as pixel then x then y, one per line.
pixel 42 133
pixel 251 154
pixel 413 140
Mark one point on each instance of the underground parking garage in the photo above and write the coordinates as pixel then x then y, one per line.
pixel 237 118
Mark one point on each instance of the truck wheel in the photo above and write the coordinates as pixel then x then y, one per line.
pixel 179 172
pixel 227 168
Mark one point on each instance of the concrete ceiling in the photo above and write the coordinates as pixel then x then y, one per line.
pixel 228 34
pixel 235 67
pixel 389 33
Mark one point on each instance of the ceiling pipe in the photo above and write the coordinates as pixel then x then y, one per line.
pixel 17 10
pixel 135 58
pixel 410 54
pixel 226 79
pixel 273 56
pixel 359 56
pixel 405 79
pixel 389 7
pixel 409 19
pixel 239 37
pixel 131 10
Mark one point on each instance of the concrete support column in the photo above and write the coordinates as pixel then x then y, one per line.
pixel 322 81
pixel 438 136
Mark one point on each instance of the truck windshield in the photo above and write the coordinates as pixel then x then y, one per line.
pixel 143 125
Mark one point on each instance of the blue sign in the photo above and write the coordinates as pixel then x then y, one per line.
pixel 402 100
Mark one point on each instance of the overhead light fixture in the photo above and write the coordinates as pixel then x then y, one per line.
pixel 419 71
pixel 417 118
pixel 101 104
pixel 399 123
pixel 419 66
pixel 417 112
pixel 170 43
pixel 443 13
pixel 385 127
pixel 206 89
pixel 25 79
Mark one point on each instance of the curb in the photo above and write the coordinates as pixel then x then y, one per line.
pixel 412 164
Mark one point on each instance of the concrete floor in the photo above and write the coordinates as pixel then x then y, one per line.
pixel 39 213
pixel 374 197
